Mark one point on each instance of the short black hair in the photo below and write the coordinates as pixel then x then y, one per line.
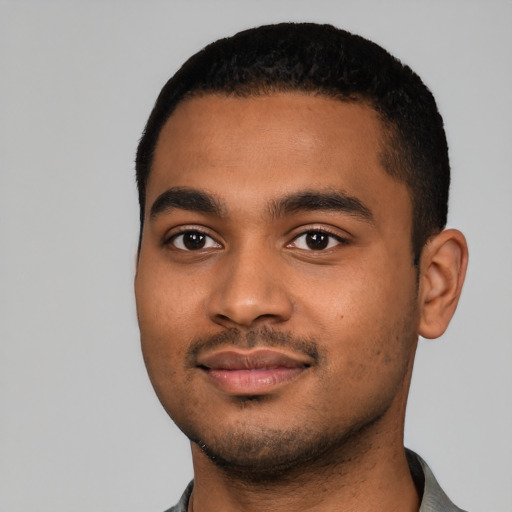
pixel 322 59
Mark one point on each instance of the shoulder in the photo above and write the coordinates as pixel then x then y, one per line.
pixel 182 505
pixel 434 498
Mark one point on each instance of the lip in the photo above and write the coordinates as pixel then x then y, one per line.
pixel 252 372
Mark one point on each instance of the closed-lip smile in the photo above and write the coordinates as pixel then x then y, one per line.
pixel 252 372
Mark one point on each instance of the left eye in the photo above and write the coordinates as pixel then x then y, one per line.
pixel 193 241
pixel 316 241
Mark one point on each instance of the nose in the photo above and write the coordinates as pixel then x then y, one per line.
pixel 250 290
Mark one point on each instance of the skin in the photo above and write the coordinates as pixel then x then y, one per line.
pixel 326 434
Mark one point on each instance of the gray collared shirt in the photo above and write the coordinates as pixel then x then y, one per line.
pixel 434 498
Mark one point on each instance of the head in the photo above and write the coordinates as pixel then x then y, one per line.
pixel 293 184
pixel 323 60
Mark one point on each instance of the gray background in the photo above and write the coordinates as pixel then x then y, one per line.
pixel 80 427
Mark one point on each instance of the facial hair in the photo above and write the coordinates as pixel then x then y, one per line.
pixel 258 453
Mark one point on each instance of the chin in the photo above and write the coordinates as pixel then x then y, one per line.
pixel 264 456
pixel 268 455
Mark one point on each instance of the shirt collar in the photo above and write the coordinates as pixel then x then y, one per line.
pixel 433 499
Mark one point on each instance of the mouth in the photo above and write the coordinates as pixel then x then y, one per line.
pixel 253 372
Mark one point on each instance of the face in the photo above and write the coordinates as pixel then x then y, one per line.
pixel 275 288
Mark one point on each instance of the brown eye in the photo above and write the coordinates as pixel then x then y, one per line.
pixel 193 241
pixel 317 241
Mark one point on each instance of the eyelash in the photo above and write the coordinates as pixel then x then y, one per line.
pixel 326 237
pixel 205 236
pixel 324 233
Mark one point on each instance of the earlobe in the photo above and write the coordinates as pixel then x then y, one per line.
pixel 442 271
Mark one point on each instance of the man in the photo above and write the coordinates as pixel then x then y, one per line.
pixel 293 183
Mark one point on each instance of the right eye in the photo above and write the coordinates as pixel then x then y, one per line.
pixel 193 241
pixel 317 240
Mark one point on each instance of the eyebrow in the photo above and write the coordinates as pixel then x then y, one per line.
pixel 185 199
pixel 336 201
pixel 304 201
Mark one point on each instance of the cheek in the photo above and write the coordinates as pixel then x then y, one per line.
pixel 367 313
pixel 369 293
pixel 165 311
pixel 164 300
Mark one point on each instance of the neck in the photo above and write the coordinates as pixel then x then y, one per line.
pixel 368 471
pixel 367 475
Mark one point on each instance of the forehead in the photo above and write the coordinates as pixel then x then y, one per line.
pixel 297 126
pixel 272 145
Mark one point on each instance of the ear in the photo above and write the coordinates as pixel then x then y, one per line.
pixel 443 265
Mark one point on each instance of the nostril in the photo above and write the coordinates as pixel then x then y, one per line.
pixel 244 297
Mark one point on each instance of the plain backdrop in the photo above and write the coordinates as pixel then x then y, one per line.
pixel 81 429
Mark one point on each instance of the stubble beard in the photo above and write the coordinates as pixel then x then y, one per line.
pixel 272 456
pixel 258 454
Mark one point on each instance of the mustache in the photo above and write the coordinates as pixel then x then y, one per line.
pixel 261 337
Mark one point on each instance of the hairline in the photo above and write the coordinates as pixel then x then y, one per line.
pixel 392 161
